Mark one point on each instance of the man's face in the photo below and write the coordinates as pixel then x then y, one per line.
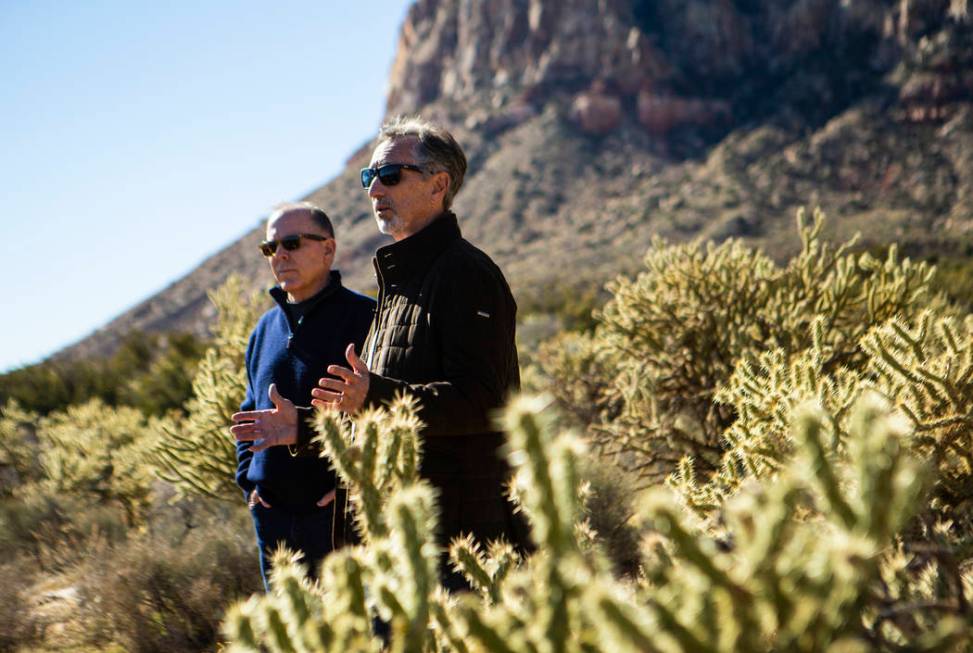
pixel 407 207
pixel 302 272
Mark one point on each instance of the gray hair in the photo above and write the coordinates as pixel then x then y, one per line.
pixel 435 150
pixel 318 216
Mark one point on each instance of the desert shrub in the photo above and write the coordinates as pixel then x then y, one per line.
pixel 54 531
pixel 196 452
pixel 17 626
pixel 150 372
pixel 572 303
pixel 670 338
pixel 954 278
pixel 18 447
pixel 166 590
pixel 75 475
pixel 97 454
pixel 810 562
pixel 577 369
pixel 166 382
pixel 608 507
pixel 924 366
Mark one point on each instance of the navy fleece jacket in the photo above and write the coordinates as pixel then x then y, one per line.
pixel 295 356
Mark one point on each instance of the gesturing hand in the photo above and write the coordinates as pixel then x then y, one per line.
pixel 268 427
pixel 348 391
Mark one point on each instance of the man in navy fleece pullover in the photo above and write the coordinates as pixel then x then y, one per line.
pixel 288 486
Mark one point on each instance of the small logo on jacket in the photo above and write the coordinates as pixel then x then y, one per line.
pixel 483 314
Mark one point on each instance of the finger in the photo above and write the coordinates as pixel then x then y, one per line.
pixel 274 396
pixel 326 395
pixel 246 437
pixel 334 385
pixel 247 416
pixel 343 372
pixel 325 405
pixel 247 430
pixel 355 362
pixel 262 502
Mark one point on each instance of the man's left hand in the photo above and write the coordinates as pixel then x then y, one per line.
pixel 348 391
pixel 269 427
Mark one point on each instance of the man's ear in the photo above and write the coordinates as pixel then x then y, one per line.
pixel 330 247
pixel 441 182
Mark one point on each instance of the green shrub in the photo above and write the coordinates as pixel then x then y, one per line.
pixel 97 454
pixel 18 447
pixel 148 371
pixel 166 383
pixel 196 452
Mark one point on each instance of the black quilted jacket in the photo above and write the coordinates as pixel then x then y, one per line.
pixel 444 332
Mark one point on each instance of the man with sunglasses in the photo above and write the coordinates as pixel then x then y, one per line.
pixel 289 488
pixel 444 332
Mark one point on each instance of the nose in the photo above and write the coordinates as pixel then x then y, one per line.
pixel 377 189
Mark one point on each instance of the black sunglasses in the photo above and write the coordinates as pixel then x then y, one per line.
pixel 290 243
pixel 390 174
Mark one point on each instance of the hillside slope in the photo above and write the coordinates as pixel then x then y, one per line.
pixel 592 125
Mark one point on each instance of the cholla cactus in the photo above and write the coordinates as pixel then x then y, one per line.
pixel 672 337
pixel 764 393
pixel 393 577
pixel 376 454
pixel 196 453
pixel 96 451
pixel 18 446
pixel 926 367
pixel 809 565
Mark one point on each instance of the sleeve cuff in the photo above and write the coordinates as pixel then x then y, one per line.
pixel 305 430
pixel 380 390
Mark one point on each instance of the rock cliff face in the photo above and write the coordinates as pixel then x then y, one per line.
pixel 592 125
pixel 695 62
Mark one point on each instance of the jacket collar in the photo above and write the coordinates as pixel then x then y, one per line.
pixel 334 283
pixel 407 258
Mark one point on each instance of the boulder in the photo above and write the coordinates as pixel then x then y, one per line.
pixel 596 112
pixel 661 113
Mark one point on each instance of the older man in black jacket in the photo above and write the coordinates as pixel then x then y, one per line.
pixel 444 331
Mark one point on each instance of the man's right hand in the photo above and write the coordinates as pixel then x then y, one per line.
pixel 269 427
pixel 255 499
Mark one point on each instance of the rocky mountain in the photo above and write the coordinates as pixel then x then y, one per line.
pixel 592 125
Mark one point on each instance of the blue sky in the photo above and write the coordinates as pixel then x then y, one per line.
pixel 137 138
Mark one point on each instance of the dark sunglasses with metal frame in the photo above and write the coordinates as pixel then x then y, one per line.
pixel 390 174
pixel 269 247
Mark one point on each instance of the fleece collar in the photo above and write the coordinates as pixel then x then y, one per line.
pixel 334 283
